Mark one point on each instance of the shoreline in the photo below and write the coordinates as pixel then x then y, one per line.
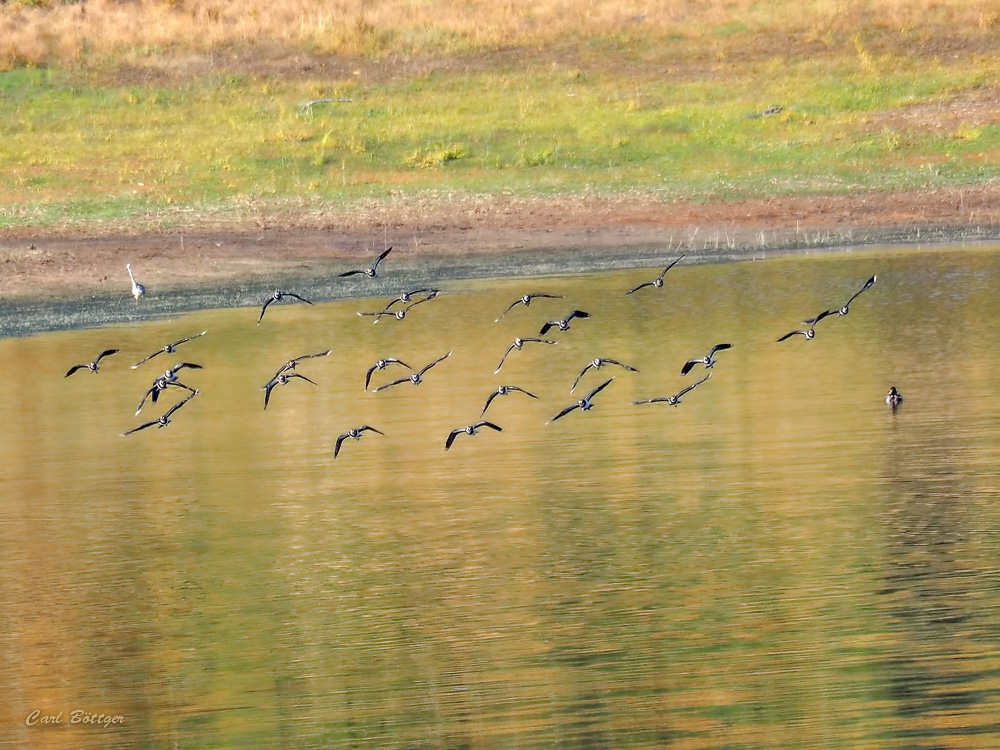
pixel 60 280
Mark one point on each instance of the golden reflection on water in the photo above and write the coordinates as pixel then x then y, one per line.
pixel 778 561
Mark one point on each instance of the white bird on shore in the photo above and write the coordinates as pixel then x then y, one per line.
pixel 138 290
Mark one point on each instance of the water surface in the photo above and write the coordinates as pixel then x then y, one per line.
pixel 780 561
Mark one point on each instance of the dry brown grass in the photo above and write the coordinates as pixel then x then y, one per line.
pixel 40 32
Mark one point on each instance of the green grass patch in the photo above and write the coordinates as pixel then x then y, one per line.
pixel 74 150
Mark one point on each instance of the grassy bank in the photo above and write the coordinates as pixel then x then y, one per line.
pixel 219 115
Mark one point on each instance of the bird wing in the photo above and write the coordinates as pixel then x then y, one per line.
pixel 298 297
pixel 620 364
pixel 547 326
pixel 512 306
pixel 351 273
pixel 380 258
pixel 364 427
pixel 792 333
pixel 867 286
pixel 73 369
pixel 182 365
pixel 719 348
pixel 389 385
pixel 691 387
pixel 580 376
pixel 577 314
pixel 484 423
pixel 105 353
pixel 503 359
pixel 368 375
pixel 689 365
pixel 643 285
pixel 599 388
pixel 564 412
pixel 302 377
pixel 267 391
pixel 150 392
pixel 263 308
pixel 140 427
pixel 518 388
pixel 670 266
pixel 451 437
pixel 340 441
pixel 439 359
pixel 489 401
pixel 157 352
pixel 180 403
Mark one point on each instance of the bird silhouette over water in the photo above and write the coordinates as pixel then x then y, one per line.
pixel 809 332
pixel 276 296
pixel 657 282
pixel 584 403
pixel 471 429
pixel 597 364
pixel 353 434
pixel 503 391
pixel 92 366
pixel 381 365
pixel 170 348
pixel 371 272
pixel 676 398
pixel 282 378
pixel 415 378
pixel 138 290
pixel 526 301
pixel 164 420
pixel 708 360
pixel 563 324
pixel 518 344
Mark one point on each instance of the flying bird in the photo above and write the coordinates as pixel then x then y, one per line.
pixel 282 378
pixel 597 364
pixel 894 398
pixel 708 361
pixel 405 297
pixel 416 377
pixel 381 365
pixel 372 272
pixel 584 403
pixel 564 323
pixel 138 290
pixel 164 420
pixel 503 391
pixel 526 301
pixel 92 366
pixel 354 434
pixel 171 374
pixel 294 362
pixel 170 348
pixel 276 296
pixel 518 343
pixel 397 314
pixel 847 305
pixel 810 332
pixel 159 385
pixel 657 282
pixel 472 429
pixel 676 398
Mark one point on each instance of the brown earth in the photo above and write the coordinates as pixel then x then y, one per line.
pixel 61 263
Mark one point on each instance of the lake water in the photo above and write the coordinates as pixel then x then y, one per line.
pixel 780 561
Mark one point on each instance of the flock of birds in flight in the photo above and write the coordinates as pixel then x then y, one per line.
pixel 288 371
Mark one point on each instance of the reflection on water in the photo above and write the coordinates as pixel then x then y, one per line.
pixel 781 560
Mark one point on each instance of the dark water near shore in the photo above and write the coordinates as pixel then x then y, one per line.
pixel 780 561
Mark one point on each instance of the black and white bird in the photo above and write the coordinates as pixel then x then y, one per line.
pixel 584 403
pixel 894 398
pixel 471 429
pixel 415 377
pixel 372 272
pixel 159 385
pixel 809 332
pixel 503 391
pixel 164 420
pixel 526 301
pixel 294 362
pixel 354 434
pixel 657 282
pixel 381 365
pixel 676 398
pixel 138 290
pixel 282 378
pixel 708 361
pixel 406 297
pixel 92 366
pixel 276 296
pixel 170 348
pixel 518 343
pixel 171 374
pixel 845 308
pixel 563 324
pixel 597 364
pixel 397 314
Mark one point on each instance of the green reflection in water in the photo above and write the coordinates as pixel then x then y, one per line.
pixel 778 561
